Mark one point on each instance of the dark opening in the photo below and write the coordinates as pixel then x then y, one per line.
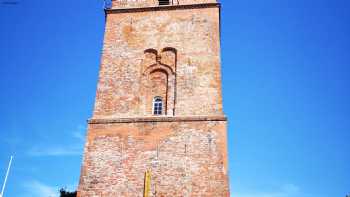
pixel 164 2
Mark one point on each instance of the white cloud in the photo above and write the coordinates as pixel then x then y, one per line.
pixel 287 190
pixel 37 189
pixel 79 133
pixel 61 150
pixel 56 151
pixel 290 188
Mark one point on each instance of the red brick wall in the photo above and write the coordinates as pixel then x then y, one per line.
pixel 170 52
pixel 195 71
pixel 186 158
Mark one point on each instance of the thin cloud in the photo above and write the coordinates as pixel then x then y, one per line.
pixel 61 150
pixel 38 189
pixel 287 190
pixel 55 151
pixel 261 194
pixel 79 133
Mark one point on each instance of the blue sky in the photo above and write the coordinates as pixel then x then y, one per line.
pixel 286 79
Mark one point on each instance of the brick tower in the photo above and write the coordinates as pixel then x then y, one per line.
pixel 158 127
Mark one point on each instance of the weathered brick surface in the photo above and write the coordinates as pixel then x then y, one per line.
pixel 173 53
pixel 195 71
pixel 185 159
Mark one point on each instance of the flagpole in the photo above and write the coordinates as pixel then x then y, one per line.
pixel 7 174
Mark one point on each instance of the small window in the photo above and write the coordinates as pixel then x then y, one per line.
pixel 157 106
pixel 164 2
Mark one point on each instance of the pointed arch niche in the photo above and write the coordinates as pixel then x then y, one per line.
pixel 159 80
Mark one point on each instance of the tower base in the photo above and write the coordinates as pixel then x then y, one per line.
pixel 184 156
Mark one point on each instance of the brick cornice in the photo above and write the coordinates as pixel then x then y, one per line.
pixel 157 119
pixel 162 8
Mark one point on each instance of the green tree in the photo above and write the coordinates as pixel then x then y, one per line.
pixel 64 193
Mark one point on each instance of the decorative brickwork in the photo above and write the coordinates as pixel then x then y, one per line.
pixel 158 80
pixel 170 52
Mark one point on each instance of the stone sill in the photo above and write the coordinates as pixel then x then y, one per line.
pixel 160 8
pixel 157 119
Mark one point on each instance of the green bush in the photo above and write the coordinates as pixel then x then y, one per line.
pixel 64 193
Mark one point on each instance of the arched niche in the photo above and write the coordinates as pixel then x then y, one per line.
pixel 169 57
pixel 158 80
pixel 150 57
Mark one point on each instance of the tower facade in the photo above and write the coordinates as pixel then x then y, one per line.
pixel 158 127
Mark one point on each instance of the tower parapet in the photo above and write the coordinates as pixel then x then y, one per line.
pixel 121 4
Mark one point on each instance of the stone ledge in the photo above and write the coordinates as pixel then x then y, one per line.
pixel 161 8
pixel 158 119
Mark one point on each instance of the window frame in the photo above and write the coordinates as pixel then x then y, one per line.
pixel 157 106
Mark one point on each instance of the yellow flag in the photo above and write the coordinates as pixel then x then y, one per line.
pixel 147 183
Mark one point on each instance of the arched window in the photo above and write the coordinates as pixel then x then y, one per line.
pixel 164 2
pixel 157 106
